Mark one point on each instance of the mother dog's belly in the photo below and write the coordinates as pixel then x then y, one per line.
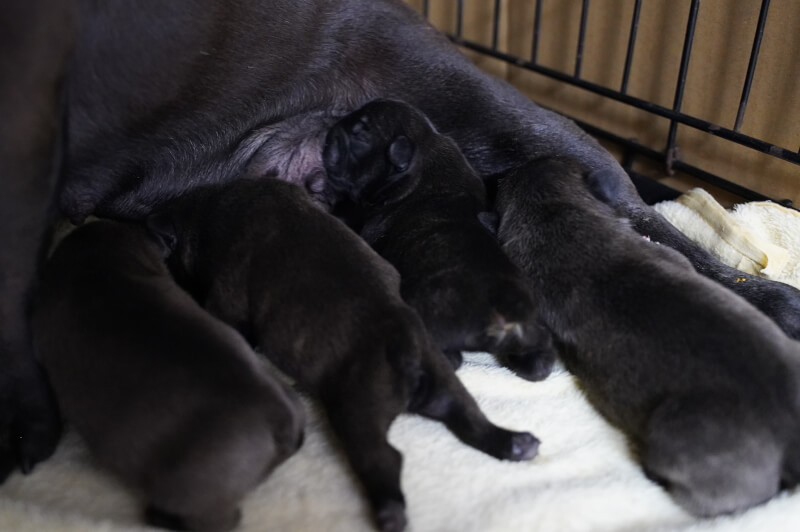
pixel 185 93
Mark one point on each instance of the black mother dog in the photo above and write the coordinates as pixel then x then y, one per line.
pixel 417 202
pixel 170 399
pixel 163 98
pixel 326 309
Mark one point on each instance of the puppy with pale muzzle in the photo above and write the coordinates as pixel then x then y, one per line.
pixel 412 195
pixel 168 398
pixel 325 309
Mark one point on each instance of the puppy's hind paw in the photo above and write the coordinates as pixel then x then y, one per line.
pixel 156 517
pixel 213 520
pixel 524 446
pixel 391 516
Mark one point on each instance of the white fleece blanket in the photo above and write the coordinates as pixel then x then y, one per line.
pixel 584 479
pixel 761 238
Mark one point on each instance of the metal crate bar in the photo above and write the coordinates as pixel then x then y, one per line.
pixel 460 18
pixel 637 9
pixel 751 66
pixel 426 8
pixel 676 117
pixel 691 24
pixel 581 38
pixel 496 24
pixel 702 125
pixel 537 26
pixel 655 155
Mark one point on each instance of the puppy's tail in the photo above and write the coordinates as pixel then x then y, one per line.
pixel 712 455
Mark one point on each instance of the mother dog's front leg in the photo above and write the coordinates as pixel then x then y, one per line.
pixel 779 301
pixel 34 45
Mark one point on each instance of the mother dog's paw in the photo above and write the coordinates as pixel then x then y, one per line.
pixel 779 301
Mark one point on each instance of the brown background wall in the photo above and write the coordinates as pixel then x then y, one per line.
pixel 723 38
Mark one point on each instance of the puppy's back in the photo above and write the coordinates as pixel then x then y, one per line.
pixel 266 254
pixel 701 379
pixel 167 397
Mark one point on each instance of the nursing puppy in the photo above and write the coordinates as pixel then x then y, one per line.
pixel 325 309
pixel 417 202
pixel 167 397
pixel 703 382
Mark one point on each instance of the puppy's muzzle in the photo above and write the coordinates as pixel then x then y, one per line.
pixel 335 152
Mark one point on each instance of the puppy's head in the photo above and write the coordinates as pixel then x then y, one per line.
pixel 372 156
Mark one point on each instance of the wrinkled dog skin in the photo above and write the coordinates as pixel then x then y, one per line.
pixel 710 394
pixel 165 97
pixel 417 202
pixel 329 314
pixel 170 399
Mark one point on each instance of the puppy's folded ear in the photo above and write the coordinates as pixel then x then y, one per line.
pixel 490 220
pixel 604 185
pixel 401 153
pixel 161 227
pixel 402 179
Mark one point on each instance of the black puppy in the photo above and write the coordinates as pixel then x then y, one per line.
pixel 326 309
pixel 703 382
pixel 418 204
pixel 167 397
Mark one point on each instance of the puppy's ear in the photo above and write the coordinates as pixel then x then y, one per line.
pixel 401 153
pixel 161 227
pixel 490 220
pixel 599 186
pixel 605 186
pixel 402 178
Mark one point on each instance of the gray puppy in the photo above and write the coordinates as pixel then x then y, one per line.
pixel 703 382
pixel 325 309
pixel 167 397
pixel 417 201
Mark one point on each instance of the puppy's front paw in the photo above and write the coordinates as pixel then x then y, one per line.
pixel 535 365
pixel 528 351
